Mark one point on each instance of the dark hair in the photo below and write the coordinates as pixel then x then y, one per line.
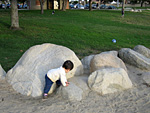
pixel 68 65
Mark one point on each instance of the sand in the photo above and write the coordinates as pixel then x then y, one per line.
pixel 135 100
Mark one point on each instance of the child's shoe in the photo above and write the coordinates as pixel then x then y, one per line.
pixel 45 96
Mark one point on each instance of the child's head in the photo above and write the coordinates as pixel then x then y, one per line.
pixel 68 65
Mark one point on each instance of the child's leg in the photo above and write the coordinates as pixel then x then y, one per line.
pixel 48 84
pixel 58 82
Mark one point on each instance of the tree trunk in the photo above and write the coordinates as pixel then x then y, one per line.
pixel 14 15
pixel 90 5
pixel 42 4
pixel 64 5
pixel 42 9
pixel 85 2
pixel 47 4
pixel 99 3
pixel 142 3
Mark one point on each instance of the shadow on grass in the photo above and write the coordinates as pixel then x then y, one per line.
pixel 5 24
pixel 9 26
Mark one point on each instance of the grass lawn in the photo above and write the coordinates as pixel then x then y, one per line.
pixel 82 31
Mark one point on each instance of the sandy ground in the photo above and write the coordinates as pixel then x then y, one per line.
pixel 135 100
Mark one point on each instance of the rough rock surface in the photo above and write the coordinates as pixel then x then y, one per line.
pixel 2 73
pixel 77 90
pixel 142 50
pixel 71 92
pixel 106 60
pixel 86 63
pixel 28 75
pixel 81 82
pixel 134 58
pixel 146 77
pixel 109 80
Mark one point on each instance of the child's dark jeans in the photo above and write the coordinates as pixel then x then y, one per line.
pixel 49 83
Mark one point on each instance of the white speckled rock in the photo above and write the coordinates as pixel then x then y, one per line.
pixel 27 76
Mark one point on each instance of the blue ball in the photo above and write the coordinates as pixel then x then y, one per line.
pixel 114 41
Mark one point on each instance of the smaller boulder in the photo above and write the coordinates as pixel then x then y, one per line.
pixel 134 58
pixel 106 60
pixel 86 63
pixel 109 80
pixel 142 50
pixel 2 73
pixel 71 92
pixel 81 82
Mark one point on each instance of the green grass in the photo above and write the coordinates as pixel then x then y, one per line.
pixel 82 31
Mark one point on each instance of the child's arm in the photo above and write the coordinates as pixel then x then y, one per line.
pixel 63 80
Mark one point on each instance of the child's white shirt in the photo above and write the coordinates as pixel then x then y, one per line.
pixel 56 74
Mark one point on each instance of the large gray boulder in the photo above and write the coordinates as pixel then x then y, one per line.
pixel 109 80
pixel 2 73
pixel 142 50
pixel 134 58
pixel 28 75
pixel 106 60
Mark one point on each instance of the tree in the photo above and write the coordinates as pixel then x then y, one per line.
pixel 14 15
pixel 42 4
pixel 142 2
pixel 90 5
pixel 64 5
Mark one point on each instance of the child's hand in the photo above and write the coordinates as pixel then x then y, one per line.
pixel 67 83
